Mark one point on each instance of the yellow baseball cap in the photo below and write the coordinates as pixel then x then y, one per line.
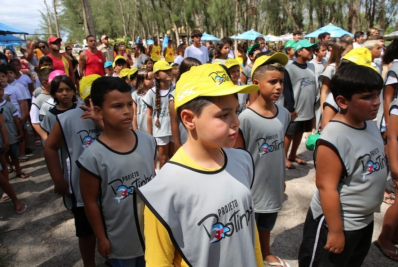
pixel 360 56
pixel 276 57
pixel 133 71
pixel 128 72
pixel 207 80
pixel 117 58
pixel 161 65
pixel 231 62
pixel 85 85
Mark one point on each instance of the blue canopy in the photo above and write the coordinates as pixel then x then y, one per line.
pixel 165 41
pixel 209 37
pixel 249 35
pixel 9 39
pixel 150 42
pixel 335 32
pixel 5 29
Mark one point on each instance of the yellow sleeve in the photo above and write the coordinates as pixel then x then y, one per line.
pixel 257 248
pixel 159 249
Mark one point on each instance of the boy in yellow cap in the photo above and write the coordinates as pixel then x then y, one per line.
pixel 233 67
pixel 72 134
pixel 199 208
pixel 119 63
pixel 261 133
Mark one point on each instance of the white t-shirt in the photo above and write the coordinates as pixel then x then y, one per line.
pixel 21 88
pixel 15 96
pixel 25 81
pixel 178 59
pixel 356 45
pixel 201 54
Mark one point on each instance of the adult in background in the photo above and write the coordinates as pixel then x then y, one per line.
pixel 372 32
pixel 196 50
pixel 75 64
pixel 115 49
pixel 106 48
pixel 139 54
pixel 261 41
pixel 210 49
pixel 358 39
pixel 155 50
pixel 324 37
pixel 168 52
pixel 91 61
pixel 123 52
pixel 297 36
pixel 60 62
pixel 42 49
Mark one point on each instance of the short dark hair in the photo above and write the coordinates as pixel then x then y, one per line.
pixel 120 61
pixel 227 40
pixel 55 83
pixel 319 45
pixel 297 32
pixel 44 73
pixel 258 38
pixel 358 35
pixel 346 38
pixel 353 79
pixel 88 36
pixel 391 52
pixel 323 35
pixel 11 68
pixel 186 64
pixel 104 85
pixel 45 59
pixel 3 69
pixel 14 60
pixel 196 33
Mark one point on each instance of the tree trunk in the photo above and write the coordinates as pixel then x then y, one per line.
pixel 50 30
pixel 88 18
pixel 311 18
pixel 289 10
pixel 169 9
pixel 353 15
pixel 56 18
pixel 198 20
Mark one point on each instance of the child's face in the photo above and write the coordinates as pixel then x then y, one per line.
pixel 116 110
pixel 17 65
pixel 218 124
pixel 306 53
pixel 376 51
pixel 149 65
pixel 225 50
pixel 290 52
pixel 150 80
pixel 119 67
pixel 322 52
pixel 235 74
pixel 109 71
pixel 175 71
pixel 10 76
pixel 64 94
pixel 3 79
pixel 363 106
pixel 164 75
pixel 271 85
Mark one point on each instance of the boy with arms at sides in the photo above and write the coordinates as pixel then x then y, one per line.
pixel 73 132
pixel 351 173
pixel 262 132
pixel 194 222
pixel 119 161
pixel 299 91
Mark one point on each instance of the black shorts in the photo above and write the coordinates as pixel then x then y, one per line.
pixel 82 225
pixel 13 151
pixel 356 247
pixel 266 221
pixel 297 127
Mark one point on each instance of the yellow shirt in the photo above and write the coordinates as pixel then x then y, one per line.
pixel 162 252
pixel 155 52
pixel 169 55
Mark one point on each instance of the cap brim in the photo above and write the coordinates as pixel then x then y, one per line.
pixel 279 57
pixel 168 68
pixel 243 89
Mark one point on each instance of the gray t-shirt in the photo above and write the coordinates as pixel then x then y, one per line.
pixel 247 71
pixel 201 54
pixel 164 128
pixel 46 106
pixel 119 174
pixel 9 111
pixel 139 62
pixel 362 183
pixel 264 140
pixel 141 111
pixel 181 129
pixel 78 135
pixel 222 61
pixel 329 72
pixel 304 90
pixel 37 91
pixel 331 103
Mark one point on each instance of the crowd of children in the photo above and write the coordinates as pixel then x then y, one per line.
pixel 179 162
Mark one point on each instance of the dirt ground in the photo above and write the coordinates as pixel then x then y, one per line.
pixel 44 235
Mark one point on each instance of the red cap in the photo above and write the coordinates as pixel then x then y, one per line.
pixel 53 39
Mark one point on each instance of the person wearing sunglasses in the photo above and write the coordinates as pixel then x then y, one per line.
pixel 42 49
pixel 60 62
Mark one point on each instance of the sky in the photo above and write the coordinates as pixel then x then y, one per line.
pixel 22 14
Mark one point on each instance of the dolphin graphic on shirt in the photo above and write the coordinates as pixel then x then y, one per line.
pixel 371 167
pixel 219 231
pixel 122 192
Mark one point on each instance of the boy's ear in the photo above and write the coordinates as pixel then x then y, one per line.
pixel 98 112
pixel 187 118
pixel 255 81
pixel 342 102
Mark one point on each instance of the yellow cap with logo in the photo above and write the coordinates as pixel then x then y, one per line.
pixel 207 80
pixel 161 65
pixel 117 58
pixel 85 85
pixel 360 56
pixel 276 57
pixel 128 72
pixel 230 62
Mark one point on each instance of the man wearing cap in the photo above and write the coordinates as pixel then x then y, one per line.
pixel 105 48
pixel 155 50
pixel 60 62
pixel 91 61
pixel 196 50
pixel 299 91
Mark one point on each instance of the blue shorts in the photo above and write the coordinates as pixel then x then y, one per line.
pixel 134 262
pixel 266 221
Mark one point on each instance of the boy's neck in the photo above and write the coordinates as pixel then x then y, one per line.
pixel 210 158
pixel 120 140
pixel 265 107
pixel 290 56
pixel 349 120
pixel 45 89
pixel 318 59
pixel 300 60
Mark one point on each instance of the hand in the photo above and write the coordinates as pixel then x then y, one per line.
pixel 104 247
pixel 89 112
pixel 294 115
pixel 5 147
pixel 61 187
pixel 335 242
pixel 20 137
